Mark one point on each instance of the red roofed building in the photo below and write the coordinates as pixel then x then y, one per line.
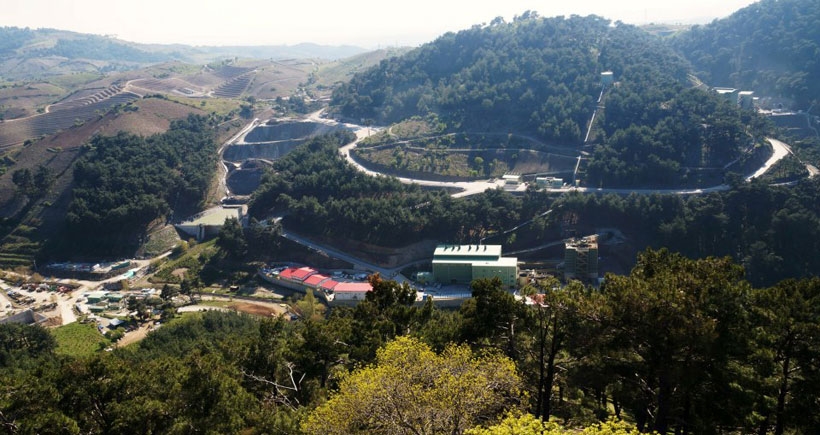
pixel 314 280
pixel 303 272
pixel 351 291
pixel 329 284
pixel 287 273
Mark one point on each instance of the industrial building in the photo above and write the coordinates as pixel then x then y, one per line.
pixel 549 182
pixel 729 94
pixel 744 99
pixel 461 264
pixel 302 278
pixel 208 223
pixel 581 259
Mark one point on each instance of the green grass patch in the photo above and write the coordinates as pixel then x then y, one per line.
pixel 194 258
pixel 79 339
pixel 70 81
pixel 221 106
pixel 161 241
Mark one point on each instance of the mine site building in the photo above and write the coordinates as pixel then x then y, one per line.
pixel 549 182
pixel 581 259
pixel 208 223
pixel 461 264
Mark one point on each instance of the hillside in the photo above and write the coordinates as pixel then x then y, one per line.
pixel 28 222
pixel 500 76
pixel 29 53
pixel 45 122
pixel 541 77
pixel 771 47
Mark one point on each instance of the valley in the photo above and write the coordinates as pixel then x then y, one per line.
pixel 546 224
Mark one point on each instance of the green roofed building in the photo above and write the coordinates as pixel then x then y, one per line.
pixel 460 264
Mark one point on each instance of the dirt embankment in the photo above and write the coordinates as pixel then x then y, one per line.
pixel 288 131
pixel 258 308
pixel 272 141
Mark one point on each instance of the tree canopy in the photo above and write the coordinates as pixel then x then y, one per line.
pixel 411 390
pixel 541 77
pixel 125 182
pixel 770 47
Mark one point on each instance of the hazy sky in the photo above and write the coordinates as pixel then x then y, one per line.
pixel 367 23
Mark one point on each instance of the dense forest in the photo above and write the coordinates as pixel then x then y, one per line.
pixel 534 75
pixel 320 194
pixel 541 77
pixel 13 38
pixel 770 47
pixel 677 345
pixel 659 130
pixel 123 183
pixel 770 230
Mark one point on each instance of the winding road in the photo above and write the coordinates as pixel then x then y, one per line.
pixel 468 188
pixel 238 137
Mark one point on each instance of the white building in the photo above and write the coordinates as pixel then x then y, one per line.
pixel 208 223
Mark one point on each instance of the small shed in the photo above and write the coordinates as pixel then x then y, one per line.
pixel 96 297
pixel 115 297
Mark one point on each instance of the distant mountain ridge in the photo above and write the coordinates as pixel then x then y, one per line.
pixel 26 53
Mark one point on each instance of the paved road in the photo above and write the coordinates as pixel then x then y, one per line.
pixel 467 188
pixel 223 179
pixel 780 149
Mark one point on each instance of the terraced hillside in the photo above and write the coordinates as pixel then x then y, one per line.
pixel 96 97
pixel 170 85
pixel 228 72
pixel 43 218
pixel 63 115
pixel 234 87
pixel 278 79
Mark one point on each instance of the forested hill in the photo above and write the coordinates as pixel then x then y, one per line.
pixel 542 77
pixel 771 47
pixel 123 183
pixel 51 42
pixel 534 75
